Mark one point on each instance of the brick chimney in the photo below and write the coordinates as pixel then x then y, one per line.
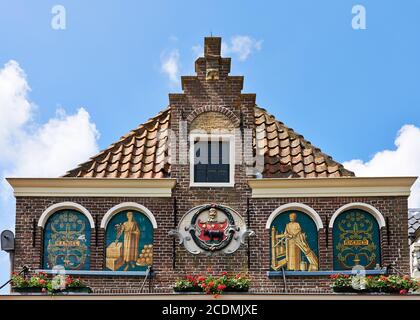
pixel 212 46
pixel 212 66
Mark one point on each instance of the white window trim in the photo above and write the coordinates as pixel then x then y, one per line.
pixel 128 206
pixel 207 137
pixel 61 206
pixel 298 207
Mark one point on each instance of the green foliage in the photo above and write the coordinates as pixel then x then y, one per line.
pixel 40 280
pixel 213 284
pixel 383 284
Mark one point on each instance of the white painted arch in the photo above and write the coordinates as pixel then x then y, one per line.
pixel 128 206
pixel 62 206
pixel 362 206
pixel 298 207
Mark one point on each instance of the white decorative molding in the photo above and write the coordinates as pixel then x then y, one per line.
pixel 362 206
pixel 189 230
pixel 331 187
pixel 62 206
pixel 298 207
pixel 91 187
pixel 128 206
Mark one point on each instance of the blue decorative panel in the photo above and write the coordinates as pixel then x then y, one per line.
pixel 356 240
pixel 67 241
pixel 294 242
pixel 129 242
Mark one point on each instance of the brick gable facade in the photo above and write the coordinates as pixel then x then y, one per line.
pixel 211 99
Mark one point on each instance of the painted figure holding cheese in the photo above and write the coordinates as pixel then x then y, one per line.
pixel 131 233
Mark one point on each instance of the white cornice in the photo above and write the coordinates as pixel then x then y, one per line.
pixel 91 187
pixel 331 187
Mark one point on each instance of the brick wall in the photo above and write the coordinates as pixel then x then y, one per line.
pixel 396 251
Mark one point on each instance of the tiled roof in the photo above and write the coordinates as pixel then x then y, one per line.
pixel 144 152
pixel 288 154
pixel 413 221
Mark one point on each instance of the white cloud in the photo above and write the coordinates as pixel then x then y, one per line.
pixel 15 109
pixel 56 146
pixel 403 161
pixel 170 65
pixel 31 149
pixel 35 150
pixel 241 46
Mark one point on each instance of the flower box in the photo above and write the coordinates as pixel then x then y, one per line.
pixel 212 284
pixel 40 284
pixel 348 290
pixel 392 284
pixel 35 290
pixel 28 290
pixel 75 290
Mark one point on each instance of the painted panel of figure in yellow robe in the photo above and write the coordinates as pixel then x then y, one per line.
pixel 292 250
pixel 297 243
pixel 131 232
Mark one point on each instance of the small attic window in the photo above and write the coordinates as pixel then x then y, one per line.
pixel 212 162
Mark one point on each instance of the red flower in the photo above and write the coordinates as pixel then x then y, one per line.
pixel 221 287
pixel 201 279
pixel 238 276
pixel 403 291
pixel 41 281
pixel 211 284
pixel 224 273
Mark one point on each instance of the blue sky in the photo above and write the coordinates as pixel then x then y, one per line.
pixel 350 92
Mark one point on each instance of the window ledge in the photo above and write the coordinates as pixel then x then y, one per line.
pixel 212 184
pixel 273 274
pixel 99 273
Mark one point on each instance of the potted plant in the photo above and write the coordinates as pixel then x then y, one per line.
pixel 392 284
pixel 341 283
pixel 212 284
pixel 36 284
pixel 40 284
pixel 239 283
pixel 68 285
pixel 395 284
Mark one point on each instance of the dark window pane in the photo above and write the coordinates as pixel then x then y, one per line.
pixel 211 163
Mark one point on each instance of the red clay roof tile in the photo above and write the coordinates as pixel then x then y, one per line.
pixel 145 152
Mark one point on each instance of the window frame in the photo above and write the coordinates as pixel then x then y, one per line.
pixel 213 137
